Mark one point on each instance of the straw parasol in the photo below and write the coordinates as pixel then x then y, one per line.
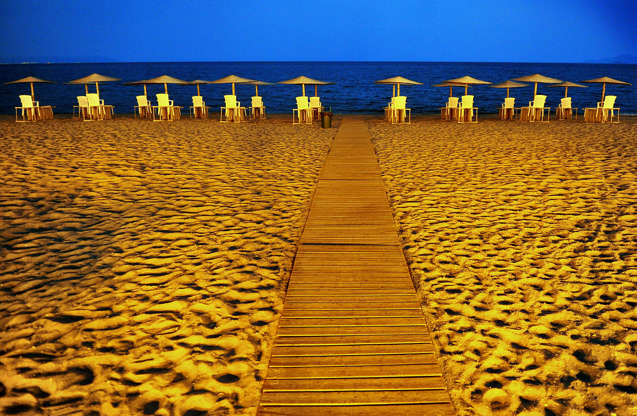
pixel 604 81
pixel 537 78
pixel 141 82
pixel 30 80
pixel 450 85
pixel 165 79
pixel 507 85
pixel 396 81
pixel 96 78
pixel 198 82
pixel 567 84
pixel 231 79
pixel 256 85
pixel 466 81
pixel 303 80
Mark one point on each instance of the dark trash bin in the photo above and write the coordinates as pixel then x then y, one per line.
pixel 326 119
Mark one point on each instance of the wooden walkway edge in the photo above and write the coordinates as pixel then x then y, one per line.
pixel 352 339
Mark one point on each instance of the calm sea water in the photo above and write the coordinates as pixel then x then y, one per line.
pixel 353 90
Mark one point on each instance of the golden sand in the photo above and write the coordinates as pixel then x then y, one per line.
pixel 522 241
pixel 142 264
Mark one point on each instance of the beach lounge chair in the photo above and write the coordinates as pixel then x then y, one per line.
pixel 302 110
pixel 536 109
pixel 29 109
pixel 198 106
pixel 316 107
pixel 82 107
pixel 466 110
pixel 507 111
pixel 95 107
pixel 166 110
pixel 399 110
pixel 257 109
pixel 605 111
pixel 565 110
pixel 449 111
pixel 144 107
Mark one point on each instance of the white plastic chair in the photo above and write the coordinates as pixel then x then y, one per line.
pixel 230 110
pixel 399 110
pixel 82 107
pixel 315 106
pixel 450 106
pixel 508 107
pixel 564 109
pixel 95 107
pixel 467 110
pixel 144 107
pixel 537 106
pixel 607 108
pixel 257 104
pixel 165 107
pixel 198 103
pixel 302 110
pixel 28 107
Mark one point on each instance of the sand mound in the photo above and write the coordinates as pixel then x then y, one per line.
pixel 522 239
pixel 142 264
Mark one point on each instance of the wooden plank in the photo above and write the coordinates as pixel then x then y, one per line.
pixel 352 338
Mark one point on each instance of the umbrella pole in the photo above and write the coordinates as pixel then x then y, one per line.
pixel 86 88
pixel 393 90
pixel 507 93
pixel 256 87
pixel 565 92
pixel 166 88
pixel 198 93
pixel 316 90
pixel 535 91
pixel 399 90
pixel 466 89
pixel 145 92
pixel 603 91
pixel 233 93
pixel 450 91
pixel 303 87
pixel 97 90
pixel 32 92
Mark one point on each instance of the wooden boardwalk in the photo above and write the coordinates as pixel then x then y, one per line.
pixel 352 339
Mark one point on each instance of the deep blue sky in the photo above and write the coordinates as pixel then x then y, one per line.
pixel 325 30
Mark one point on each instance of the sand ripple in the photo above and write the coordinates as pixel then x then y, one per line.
pixel 141 264
pixel 523 242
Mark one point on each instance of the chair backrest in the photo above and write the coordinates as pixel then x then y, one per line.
pixel 231 101
pixel 509 102
pixel 162 100
pixel 142 100
pixel 82 101
pixel 26 101
pixel 609 101
pixel 257 101
pixel 467 101
pixel 302 103
pixel 565 103
pixel 197 101
pixel 93 100
pixel 539 101
pixel 453 102
pixel 399 102
pixel 315 102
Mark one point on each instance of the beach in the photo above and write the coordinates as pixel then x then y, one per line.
pixel 143 265
pixel 522 241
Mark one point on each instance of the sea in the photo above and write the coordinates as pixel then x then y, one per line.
pixel 353 90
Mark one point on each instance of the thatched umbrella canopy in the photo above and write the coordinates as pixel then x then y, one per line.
pixel 466 81
pixel 96 78
pixel 536 79
pixel 567 84
pixel 231 79
pixel 507 85
pixel 303 81
pixel 165 79
pixel 256 85
pixel 30 80
pixel 450 85
pixel 604 81
pixel 397 81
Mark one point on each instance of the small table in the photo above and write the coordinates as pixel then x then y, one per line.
pixel 590 115
pixel 45 112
